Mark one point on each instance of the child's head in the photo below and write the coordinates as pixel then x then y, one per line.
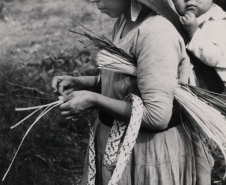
pixel 113 8
pixel 198 7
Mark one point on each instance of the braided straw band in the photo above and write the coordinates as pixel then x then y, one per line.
pixel 111 153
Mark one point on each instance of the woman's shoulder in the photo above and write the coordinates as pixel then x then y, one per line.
pixel 157 30
pixel 157 24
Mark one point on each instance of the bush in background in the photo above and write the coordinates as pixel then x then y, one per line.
pixel 54 150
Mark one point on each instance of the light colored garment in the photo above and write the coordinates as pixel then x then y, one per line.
pixel 158 158
pixel 209 41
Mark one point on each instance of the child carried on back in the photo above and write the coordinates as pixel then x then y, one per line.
pixel 205 25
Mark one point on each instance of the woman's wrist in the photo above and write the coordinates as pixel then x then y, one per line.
pixel 121 110
pixel 94 99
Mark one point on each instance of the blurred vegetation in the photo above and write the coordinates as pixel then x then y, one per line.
pixel 54 150
pixel 35 46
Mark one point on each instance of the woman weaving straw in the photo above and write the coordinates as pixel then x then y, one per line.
pixel 162 151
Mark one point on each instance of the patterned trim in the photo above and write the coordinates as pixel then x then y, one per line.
pixel 114 160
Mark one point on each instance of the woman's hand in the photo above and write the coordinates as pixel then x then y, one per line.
pixel 65 85
pixel 77 104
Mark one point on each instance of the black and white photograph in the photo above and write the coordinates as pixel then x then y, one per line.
pixel 112 92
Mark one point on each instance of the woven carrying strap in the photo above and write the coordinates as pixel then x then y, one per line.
pixel 111 158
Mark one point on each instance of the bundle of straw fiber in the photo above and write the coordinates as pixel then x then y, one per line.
pixel 204 109
pixel 103 43
pixel 114 62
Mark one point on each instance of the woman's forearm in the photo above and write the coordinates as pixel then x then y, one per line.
pixel 120 110
pixel 88 82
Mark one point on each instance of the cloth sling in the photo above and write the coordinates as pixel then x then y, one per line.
pixel 114 160
pixel 206 75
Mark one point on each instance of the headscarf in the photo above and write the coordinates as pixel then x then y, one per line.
pixel 135 10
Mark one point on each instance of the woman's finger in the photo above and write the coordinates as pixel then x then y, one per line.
pixel 56 80
pixel 74 118
pixel 66 113
pixel 65 106
pixel 68 91
pixel 68 118
pixel 69 97
pixel 62 86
